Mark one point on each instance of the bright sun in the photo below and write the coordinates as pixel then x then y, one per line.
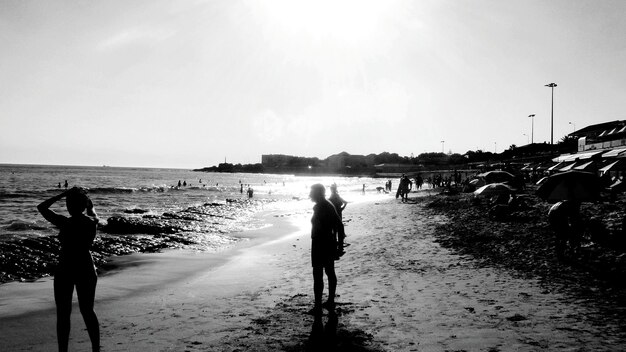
pixel 348 20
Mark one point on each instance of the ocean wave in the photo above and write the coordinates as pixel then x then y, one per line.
pixel 111 190
pixel 21 225
pixel 12 195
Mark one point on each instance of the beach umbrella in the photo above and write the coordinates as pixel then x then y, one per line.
pixel 494 189
pixel 570 185
pixel 541 181
pixel 617 186
pixel 497 176
pixel 477 182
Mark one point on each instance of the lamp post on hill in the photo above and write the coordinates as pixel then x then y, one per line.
pixel 532 128
pixel 552 85
pixel 442 142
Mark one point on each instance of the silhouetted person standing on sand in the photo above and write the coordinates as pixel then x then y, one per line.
pixel 75 267
pixel 339 204
pixel 326 226
pixel 404 188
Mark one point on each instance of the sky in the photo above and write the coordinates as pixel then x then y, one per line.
pixel 188 84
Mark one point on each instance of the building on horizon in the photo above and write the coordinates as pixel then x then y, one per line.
pixel 604 135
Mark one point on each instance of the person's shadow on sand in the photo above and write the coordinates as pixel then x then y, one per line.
pixel 323 337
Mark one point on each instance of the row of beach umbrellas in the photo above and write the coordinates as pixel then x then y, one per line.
pixel 571 185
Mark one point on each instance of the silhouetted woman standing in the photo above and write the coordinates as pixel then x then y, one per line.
pixel 326 227
pixel 76 267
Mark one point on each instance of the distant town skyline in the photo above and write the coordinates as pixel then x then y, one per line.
pixel 188 84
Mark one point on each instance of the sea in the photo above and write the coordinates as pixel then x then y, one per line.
pixel 118 191
pixel 123 191
pixel 205 209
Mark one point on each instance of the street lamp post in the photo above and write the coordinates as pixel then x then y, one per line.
pixel 442 142
pixel 532 128
pixel 552 85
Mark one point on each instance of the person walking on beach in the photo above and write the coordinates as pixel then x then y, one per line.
pixel 325 227
pixel 404 188
pixel 75 267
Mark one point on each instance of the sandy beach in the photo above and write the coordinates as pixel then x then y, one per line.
pixel 399 290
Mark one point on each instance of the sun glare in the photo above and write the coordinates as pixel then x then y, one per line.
pixel 348 20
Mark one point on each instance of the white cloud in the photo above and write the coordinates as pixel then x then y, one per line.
pixel 133 36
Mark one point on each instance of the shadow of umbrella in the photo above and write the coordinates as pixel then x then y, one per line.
pixel 573 185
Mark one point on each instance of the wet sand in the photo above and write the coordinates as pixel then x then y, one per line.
pixel 399 290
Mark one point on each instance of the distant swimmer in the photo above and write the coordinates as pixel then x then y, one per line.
pixel 241 189
pixel 66 185
pixel 185 183
pixel 179 184
pixel 250 192
pixel 59 186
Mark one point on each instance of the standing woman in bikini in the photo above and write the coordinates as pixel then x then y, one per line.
pixel 75 267
pixel 326 227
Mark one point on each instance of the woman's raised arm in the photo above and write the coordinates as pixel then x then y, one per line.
pixel 44 208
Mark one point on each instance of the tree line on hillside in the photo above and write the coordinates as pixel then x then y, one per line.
pixel 346 160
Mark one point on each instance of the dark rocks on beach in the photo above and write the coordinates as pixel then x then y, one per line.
pixel 31 258
pixel 135 211
pixel 522 240
pixel 146 225
pixel 27 259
